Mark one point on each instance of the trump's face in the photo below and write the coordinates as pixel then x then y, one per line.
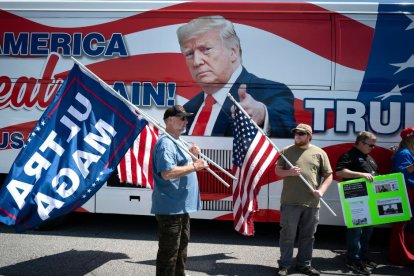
pixel 210 61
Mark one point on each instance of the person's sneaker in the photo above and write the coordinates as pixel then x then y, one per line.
pixel 358 268
pixel 308 270
pixel 369 263
pixel 283 271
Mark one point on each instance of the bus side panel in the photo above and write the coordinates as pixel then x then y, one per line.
pixel 329 55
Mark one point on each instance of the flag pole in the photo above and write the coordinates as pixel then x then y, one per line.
pixel 160 126
pixel 149 119
pixel 277 149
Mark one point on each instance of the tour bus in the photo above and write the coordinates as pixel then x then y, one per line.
pixel 348 64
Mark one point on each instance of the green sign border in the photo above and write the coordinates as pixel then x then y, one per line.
pixel 364 192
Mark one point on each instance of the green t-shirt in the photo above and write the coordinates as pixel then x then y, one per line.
pixel 314 163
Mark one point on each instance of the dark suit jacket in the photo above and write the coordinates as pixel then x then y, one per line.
pixel 276 96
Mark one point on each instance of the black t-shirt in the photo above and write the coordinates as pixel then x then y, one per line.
pixel 355 160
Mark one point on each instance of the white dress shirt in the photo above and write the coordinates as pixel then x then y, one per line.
pixel 220 96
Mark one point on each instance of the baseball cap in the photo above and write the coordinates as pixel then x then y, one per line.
pixel 407 132
pixel 176 111
pixel 303 127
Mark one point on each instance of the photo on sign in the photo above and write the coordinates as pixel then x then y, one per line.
pixel 359 211
pixel 382 188
pixel 390 207
pixel 360 221
pixel 355 190
pixel 385 186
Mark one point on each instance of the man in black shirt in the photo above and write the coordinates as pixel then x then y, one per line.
pixel 357 163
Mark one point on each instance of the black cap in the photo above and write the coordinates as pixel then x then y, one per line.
pixel 176 111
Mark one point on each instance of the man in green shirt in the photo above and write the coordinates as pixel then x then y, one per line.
pixel 299 204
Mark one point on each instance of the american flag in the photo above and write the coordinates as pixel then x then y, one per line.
pixel 136 166
pixel 253 155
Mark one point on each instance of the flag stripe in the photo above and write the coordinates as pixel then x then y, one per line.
pixel 245 175
pixel 249 189
pixel 270 158
pixel 136 167
pixel 149 146
pixel 121 166
pixel 131 161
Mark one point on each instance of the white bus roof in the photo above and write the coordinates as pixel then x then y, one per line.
pixel 141 6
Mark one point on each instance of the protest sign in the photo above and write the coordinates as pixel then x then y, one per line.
pixel 382 201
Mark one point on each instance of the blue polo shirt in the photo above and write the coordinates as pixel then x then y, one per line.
pixel 401 160
pixel 174 196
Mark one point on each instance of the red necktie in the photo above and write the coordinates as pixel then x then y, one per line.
pixel 202 120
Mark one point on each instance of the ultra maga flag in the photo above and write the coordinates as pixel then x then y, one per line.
pixel 71 152
pixel 253 155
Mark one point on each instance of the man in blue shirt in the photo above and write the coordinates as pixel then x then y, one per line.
pixel 175 194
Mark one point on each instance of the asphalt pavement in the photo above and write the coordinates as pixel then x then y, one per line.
pixel 96 244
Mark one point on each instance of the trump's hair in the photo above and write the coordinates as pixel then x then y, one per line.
pixel 201 25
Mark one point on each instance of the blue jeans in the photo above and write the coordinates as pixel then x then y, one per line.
pixel 291 218
pixel 357 243
pixel 174 235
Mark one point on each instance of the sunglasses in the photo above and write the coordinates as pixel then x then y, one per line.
pixel 301 133
pixel 369 145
